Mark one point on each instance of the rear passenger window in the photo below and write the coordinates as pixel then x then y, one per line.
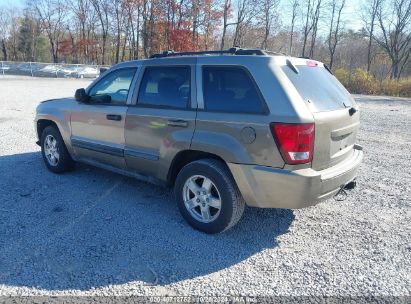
pixel 165 87
pixel 230 89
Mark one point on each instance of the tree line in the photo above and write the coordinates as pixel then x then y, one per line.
pixel 109 31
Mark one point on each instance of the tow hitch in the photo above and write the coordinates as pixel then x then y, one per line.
pixel 351 185
pixel 342 194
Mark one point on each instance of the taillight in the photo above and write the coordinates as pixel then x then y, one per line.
pixel 295 141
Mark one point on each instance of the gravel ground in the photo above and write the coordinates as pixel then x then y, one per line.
pixel 92 232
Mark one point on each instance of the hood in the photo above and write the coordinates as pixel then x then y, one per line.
pixel 57 99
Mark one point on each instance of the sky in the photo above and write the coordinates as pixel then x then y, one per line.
pixel 351 12
pixel 15 2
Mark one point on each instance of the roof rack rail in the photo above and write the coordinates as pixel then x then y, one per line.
pixel 231 51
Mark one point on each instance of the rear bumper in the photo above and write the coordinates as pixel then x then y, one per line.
pixel 266 187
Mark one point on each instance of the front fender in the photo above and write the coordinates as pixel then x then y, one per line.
pixel 57 112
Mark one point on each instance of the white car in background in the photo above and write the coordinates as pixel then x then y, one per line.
pixel 86 72
pixel 50 68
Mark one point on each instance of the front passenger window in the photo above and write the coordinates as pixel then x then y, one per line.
pixel 113 88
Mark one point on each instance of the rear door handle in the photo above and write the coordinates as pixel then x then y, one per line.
pixel 177 123
pixel 113 117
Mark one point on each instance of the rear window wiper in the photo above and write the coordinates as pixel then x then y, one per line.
pixel 328 69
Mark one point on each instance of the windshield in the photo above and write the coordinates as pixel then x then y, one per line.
pixel 319 87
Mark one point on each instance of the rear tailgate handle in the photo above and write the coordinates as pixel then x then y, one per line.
pixel 113 117
pixel 177 123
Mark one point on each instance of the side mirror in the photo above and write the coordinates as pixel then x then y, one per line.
pixel 81 95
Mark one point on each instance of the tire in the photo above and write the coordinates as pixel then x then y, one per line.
pixel 232 204
pixel 55 164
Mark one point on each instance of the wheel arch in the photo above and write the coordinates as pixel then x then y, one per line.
pixel 185 157
pixel 41 124
pixel 64 130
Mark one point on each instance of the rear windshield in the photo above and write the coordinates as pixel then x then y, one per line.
pixel 319 88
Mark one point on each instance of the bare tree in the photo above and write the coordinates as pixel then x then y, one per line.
pixel 369 14
pixel 119 24
pixel 311 17
pixel 226 15
pixel 147 32
pixel 269 13
pixel 195 15
pixel 294 5
pixel 246 11
pixel 394 21
pixel 51 15
pixel 314 20
pixel 85 17
pixel 209 21
pixel 145 29
pixel 334 34
pixel 5 21
pixel 133 8
pixel 102 8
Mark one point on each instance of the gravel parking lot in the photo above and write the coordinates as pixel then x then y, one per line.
pixel 92 232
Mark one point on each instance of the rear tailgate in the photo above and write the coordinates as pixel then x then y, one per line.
pixel 335 114
pixel 335 135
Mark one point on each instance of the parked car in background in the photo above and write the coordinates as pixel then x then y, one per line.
pixel 240 127
pixel 22 68
pixel 48 71
pixel 81 72
pixel 86 72
pixel 66 70
pixel 4 67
